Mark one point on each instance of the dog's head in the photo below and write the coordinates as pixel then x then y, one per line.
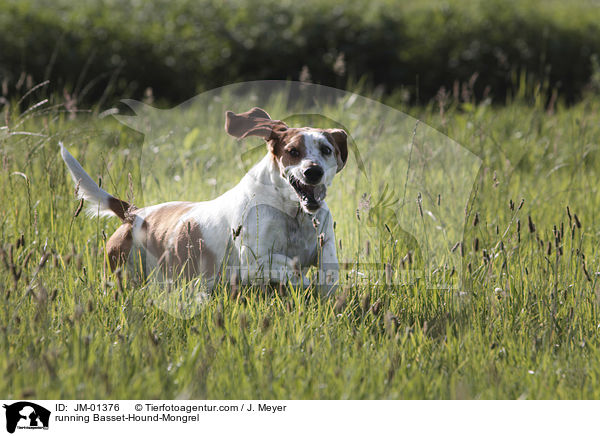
pixel 308 158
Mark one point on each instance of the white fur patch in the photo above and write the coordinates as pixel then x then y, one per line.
pixel 313 141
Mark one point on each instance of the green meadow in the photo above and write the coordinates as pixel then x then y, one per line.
pixel 521 322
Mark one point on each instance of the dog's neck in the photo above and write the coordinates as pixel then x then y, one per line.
pixel 266 174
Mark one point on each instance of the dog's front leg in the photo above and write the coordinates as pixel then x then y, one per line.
pixel 329 270
pixel 276 268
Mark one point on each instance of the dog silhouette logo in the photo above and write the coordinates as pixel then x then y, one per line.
pixel 26 415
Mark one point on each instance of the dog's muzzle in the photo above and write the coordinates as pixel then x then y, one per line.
pixel 313 174
pixel 310 195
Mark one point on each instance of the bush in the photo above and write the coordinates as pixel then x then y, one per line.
pixel 112 48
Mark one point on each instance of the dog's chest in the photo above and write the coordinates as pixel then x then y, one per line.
pixel 271 230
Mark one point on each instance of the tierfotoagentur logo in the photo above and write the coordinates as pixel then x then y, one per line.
pixel 400 228
pixel 25 415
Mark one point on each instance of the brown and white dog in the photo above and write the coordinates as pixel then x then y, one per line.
pixel 271 227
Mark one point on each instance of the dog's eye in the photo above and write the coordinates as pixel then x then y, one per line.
pixel 326 151
pixel 294 152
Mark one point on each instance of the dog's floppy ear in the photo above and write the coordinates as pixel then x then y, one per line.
pixel 339 139
pixel 255 122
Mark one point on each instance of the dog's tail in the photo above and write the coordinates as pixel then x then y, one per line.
pixel 101 202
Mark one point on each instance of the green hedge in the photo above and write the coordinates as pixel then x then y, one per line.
pixel 180 47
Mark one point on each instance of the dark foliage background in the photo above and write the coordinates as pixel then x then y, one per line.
pixel 98 50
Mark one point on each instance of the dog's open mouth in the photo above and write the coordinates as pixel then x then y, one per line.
pixel 310 195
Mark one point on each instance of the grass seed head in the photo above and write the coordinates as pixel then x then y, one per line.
pixel 585 271
pixel 78 312
pixel 154 339
pixel 266 323
pixel 315 223
pixel 340 302
pixel 388 274
pixel 235 289
pixel 376 308
pixel 79 209
pixel 531 224
pixel 28 393
pixel 365 303
pixel 562 230
pixel 76 190
pixel 391 323
pixel 219 318
pixel 321 240
pixel 119 277
pixel 244 321
pixel 41 295
pixel 42 262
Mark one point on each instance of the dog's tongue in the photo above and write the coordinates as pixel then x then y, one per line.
pixel 313 196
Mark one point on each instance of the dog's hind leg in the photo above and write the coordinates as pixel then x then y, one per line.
pixel 118 246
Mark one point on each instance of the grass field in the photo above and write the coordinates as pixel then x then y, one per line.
pixel 523 323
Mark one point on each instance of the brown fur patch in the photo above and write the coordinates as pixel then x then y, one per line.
pixel 158 227
pixel 339 140
pixel 120 208
pixel 255 122
pixel 281 147
pixel 118 246
pixel 191 254
pixel 177 245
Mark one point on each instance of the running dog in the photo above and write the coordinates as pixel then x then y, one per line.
pixel 271 227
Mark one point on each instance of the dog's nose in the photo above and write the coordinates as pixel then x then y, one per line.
pixel 313 174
